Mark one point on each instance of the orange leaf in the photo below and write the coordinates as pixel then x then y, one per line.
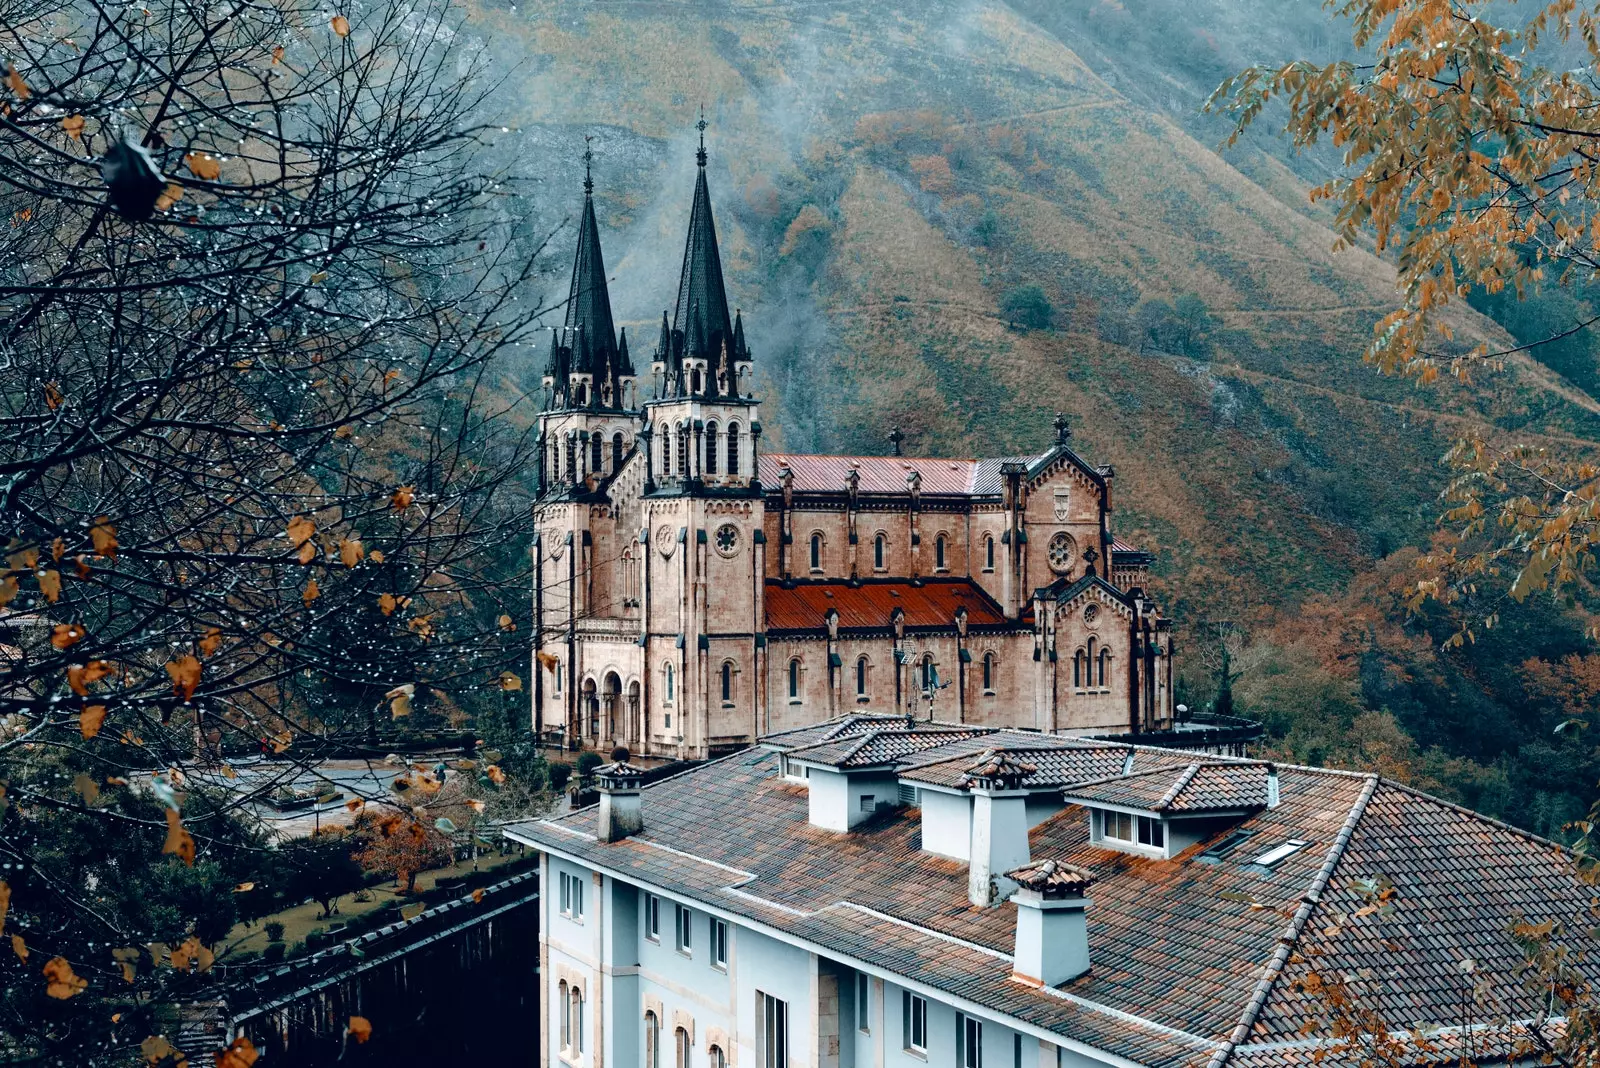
pixel 185 673
pixel 403 497
pixel 300 530
pixel 52 396
pixel 477 895
pixel 307 553
pixel 510 681
pixel 66 635
pixel 58 549
pixel 311 593
pixel 73 124
pixel 90 719
pixel 354 803
pixel 211 642
pixel 192 952
pixel 81 676
pixel 351 552
pixel 169 196
pixel 20 948
pixel 507 624
pixel 387 603
pixel 49 585
pixel 104 537
pixel 5 902
pixel 495 775
pixel 14 80
pixel 156 1049
pixel 81 566
pixel 242 1054
pixel 180 843
pixel 8 590
pixel 341 26
pixel 63 982
pixel 244 888
pixel 376 556
pixel 203 166
pixel 128 958
pixel 277 55
pixel 360 1029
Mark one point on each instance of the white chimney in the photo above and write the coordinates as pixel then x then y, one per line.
pixel 999 825
pixel 1272 786
pixel 1052 944
pixel 621 807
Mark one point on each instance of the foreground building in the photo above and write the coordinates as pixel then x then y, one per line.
pixel 869 893
pixel 694 591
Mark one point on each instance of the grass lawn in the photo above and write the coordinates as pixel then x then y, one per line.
pixel 305 918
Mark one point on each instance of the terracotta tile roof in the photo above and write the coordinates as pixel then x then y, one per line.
pixel 856 723
pixel 875 748
pixel 1181 950
pixel 931 603
pixel 1053 766
pixel 886 474
pixel 1192 787
pixel 1051 878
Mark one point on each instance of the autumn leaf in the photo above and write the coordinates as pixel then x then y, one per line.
pixel 66 635
pixel 81 676
pixel 14 80
pixel 80 566
pixel 211 642
pixel 20 948
pixel 300 530
pixel 507 624
pixel 52 396
pixel 203 166
pixel 387 603
pixel 5 902
pixel 400 699
pixel 495 775
pixel 185 674
pixel 403 497
pixel 421 626
pixel 73 124
pixel 49 585
pixel 90 719
pixel 104 537
pixel 360 1029
pixel 85 786
pixel 311 593
pixel 277 55
pixel 169 196
pixel 343 433
pixel 179 843
pixel 241 1054
pixel 510 681
pixel 354 803
pixel 477 896
pixel 8 590
pixel 351 552
pixel 63 983
pixel 58 549
pixel 128 959
pixel 156 1049
pixel 341 25
pixel 376 556
pixel 244 888
pixel 192 952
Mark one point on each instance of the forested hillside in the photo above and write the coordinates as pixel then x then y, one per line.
pixel 960 217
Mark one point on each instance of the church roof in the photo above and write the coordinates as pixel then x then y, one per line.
pixel 887 474
pixel 871 603
pixel 588 300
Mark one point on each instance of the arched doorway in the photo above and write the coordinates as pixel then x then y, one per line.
pixel 636 731
pixel 589 709
pixel 611 690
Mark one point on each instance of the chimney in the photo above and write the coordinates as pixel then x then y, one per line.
pixel 621 809
pixel 1272 786
pixel 1052 944
pixel 999 825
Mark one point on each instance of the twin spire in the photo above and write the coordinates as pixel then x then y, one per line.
pixel 700 353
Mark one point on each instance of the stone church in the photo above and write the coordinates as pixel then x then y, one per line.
pixel 695 591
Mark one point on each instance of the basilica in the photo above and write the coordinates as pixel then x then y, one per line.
pixel 694 592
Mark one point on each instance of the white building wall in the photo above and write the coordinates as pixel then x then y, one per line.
pixel 947 824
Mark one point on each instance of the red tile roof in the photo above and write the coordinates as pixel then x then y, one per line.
pixel 1193 788
pixel 933 603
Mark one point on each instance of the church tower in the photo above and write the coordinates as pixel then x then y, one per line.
pixel 703 506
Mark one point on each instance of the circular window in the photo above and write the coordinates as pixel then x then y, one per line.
pixel 1063 553
pixel 1091 612
pixel 726 539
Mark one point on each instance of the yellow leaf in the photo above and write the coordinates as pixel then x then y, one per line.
pixel 507 624
pixel 66 635
pixel 169 196
pixel 341 26
pixel 192 953
pixel 73 124
pixel 185 674
pixel 156 1049
pixel 403 497
pixel 90 719
pixel 179 842
pixel 104 537
pixel 376 556
pixel 360 1029
pixel 343 432
pixel 421 626
pixel 308 552
pixel 301 528
pixel 351 552
pixel 311 593
pixel 63 983
pixel 17 85
pixel 387 603
pixel 204 166
pixel 20 948
pixel 510 681
pixel 49 585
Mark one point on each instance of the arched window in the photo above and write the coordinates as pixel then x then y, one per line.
pixel 794 679
pixel 572 458
pixel 666 450
pixel 988 672
pixel 711 448
pixel 988 554
pixel 669 681
pixel 938 553
pixel 1105 655
pixel 861 677
pixel 727 682
pixel 616 452
pixel 681 1037
pixel 566 1015
pixel 1078 668
pixel 652 1041
pixel 715 1058
pixel 694 380
pixel 581 396
pixel 816 552
pixel 880 551
pixel 558 676
pixel 929 674
pixel 683 450
pixel 596 456
pixel 733 448
pixel 575 1029
pixel 1091 648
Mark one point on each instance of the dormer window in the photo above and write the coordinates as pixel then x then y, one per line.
pixel 1119 830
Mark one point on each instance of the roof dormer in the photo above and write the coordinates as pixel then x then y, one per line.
pixel 1161 812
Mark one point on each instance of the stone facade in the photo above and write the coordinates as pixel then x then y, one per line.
pixel 694 592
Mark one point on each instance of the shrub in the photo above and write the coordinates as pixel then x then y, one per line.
pixel 559 774
pixel 317 939
pixel 274 953
pixel 1027 307
pixel 588 760
pixel 274 931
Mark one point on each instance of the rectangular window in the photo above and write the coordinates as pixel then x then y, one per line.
pixel 1152 832
pixel 1119 825
pixel 572 896
pixel 566 897
pixel 685 927
pixel 719 944
pixel 1016 1049
pixel 914 1011
pixel 652 917
pixel 863 1003
pixel 772 1031
pixel 867 803
pixel 969 1041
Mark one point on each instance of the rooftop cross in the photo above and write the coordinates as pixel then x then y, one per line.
pixel 1063 431
pixel 895 438
pixel 700 154
pixel 588 160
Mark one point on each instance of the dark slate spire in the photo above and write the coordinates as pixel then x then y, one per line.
pixel 624 364
pixel 701 322
pixel 590 338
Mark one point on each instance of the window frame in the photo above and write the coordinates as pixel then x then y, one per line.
pixel 794 681
pixel 815 557
pixel 940 556
pixel 969 1041
pixel 863 1003
pixel 683 930
pixel 772 1030
pixel 914 1021
pixel 652 1039
pixel 719 944
pixel 652 918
